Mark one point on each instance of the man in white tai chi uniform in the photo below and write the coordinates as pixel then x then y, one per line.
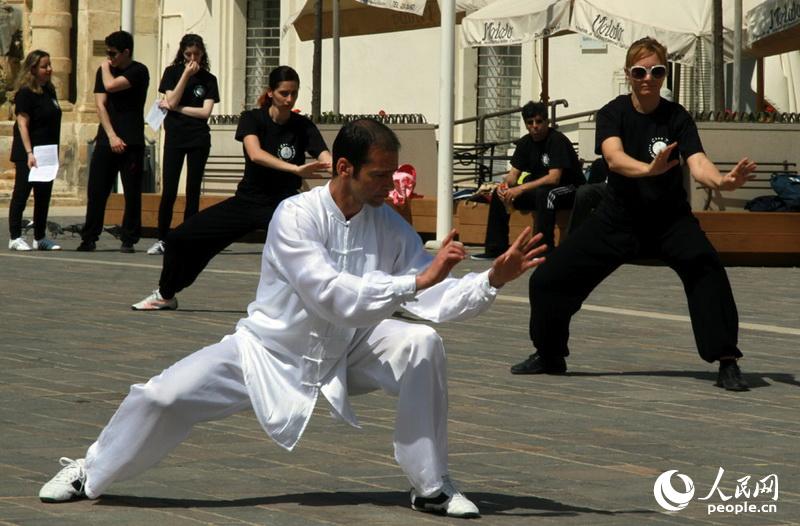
pixel 333 272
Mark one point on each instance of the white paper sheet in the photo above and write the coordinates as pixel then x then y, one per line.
pixel 46 163
pixel 155 116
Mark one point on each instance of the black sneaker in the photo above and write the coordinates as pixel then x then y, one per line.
pixel 86 246
pixel 127 248
pixel 730 376
pixel 537 364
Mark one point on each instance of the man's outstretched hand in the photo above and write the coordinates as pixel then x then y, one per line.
pixel 520 257
pixel 450 254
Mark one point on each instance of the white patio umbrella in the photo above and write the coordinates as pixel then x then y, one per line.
pixel 773 27
pixel 369 17
pixel 387 19
pixel 681 25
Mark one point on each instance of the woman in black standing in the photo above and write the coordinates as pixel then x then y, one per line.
pixel 190 92
pixel 645 214
pixel 275 142
pixel 38 123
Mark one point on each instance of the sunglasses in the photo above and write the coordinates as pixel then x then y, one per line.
pixel 112 54
pixel 657 72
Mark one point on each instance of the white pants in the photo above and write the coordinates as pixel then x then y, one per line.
pixel 405 360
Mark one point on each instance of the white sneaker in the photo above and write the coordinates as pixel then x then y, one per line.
pixel 68 484
pixel 449 501
pixel 45 244
pixel 18 244
pixel 157 249
pixel 156 302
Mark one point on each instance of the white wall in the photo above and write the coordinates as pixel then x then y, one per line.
pixel 222 24
pixel 395 72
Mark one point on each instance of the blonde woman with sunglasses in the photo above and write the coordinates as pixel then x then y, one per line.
pixel 642 138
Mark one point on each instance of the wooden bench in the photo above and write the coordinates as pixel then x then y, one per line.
pixel 729 201
pixel 753 238
pixel 741 238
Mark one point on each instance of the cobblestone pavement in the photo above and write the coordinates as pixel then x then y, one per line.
pixel 584 448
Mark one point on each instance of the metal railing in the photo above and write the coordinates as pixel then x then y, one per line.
pixel 341 118
pixel 474 163
pixel 480 120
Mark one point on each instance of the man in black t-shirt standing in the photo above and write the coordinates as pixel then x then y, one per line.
pixel 120 91
pixel 545 172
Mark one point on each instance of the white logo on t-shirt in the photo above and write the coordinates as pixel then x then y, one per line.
pixel 199 91
pixel 657 144
pixel 545 160
pixel 286 152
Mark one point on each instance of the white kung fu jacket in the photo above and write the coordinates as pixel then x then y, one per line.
pixel 323 277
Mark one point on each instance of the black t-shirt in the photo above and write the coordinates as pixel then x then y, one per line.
pixel 182 130
pixel 288 142
pixel 538 157
pixel 44 126
pixel 125 107
pixel 643 136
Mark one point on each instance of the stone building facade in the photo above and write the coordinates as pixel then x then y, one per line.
pixel 72 31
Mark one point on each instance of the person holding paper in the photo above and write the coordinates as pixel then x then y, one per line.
pixel 120 90
pixel 38 123
pixel 190 93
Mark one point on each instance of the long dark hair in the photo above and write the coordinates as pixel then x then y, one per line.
pixel 189 40
pixel 276 76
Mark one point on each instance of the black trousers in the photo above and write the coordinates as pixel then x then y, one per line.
pixel 172 163
pixel 559 286
pixel 19 198
pixel 544 200
pixel 102 173
pixel 191 246
pixel 587 198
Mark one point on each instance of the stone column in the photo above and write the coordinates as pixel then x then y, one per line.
pixel 96 19
pixel 51 22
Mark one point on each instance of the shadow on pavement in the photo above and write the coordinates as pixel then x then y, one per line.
pixel 754 380
pixel 489 503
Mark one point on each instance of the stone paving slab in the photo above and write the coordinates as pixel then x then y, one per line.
pixel 584 448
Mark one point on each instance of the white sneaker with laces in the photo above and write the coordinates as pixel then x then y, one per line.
pixel 156 302
pixel 18 244
pixel 449 501
pixel 68 484
pixel 157 249
pixel 45 244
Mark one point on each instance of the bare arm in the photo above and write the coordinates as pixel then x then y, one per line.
pixel 512 176
pixel 519 258
pixel 111 83
pixel 707 174
pixel 508 195
pixel 172 98
pixel 256 154
pixel 117 144
pixel 198 113
pixel 625 165
pixel 23 122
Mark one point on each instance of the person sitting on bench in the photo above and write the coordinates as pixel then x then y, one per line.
pixel 544 174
